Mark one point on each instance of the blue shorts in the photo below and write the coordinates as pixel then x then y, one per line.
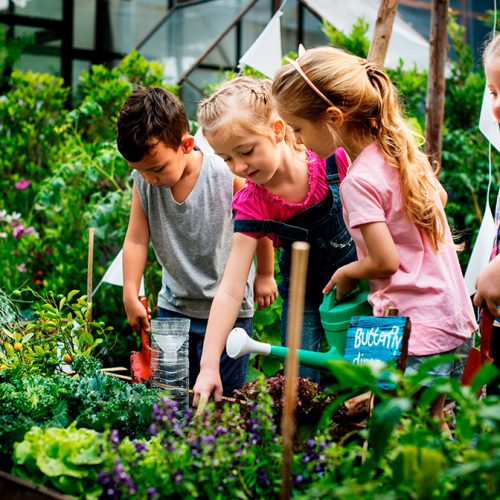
pixel 451 369
pixel 233 372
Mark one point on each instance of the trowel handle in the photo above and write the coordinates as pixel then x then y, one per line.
pixel 144 333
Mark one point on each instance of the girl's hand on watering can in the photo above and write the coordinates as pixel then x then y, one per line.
pixel 342 283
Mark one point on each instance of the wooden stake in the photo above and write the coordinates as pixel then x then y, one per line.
pixel 90 262
pixel 436 83
pixel 300 255
pixel 382 32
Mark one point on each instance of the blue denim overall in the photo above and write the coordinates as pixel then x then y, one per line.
pixel 322 226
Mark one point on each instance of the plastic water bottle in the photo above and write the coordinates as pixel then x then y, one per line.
pixel 170 357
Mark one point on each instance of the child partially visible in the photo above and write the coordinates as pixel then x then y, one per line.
pixel 488 282
pixel 286 197
pixel 393 203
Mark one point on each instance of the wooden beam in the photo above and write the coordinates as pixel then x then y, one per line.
pixel 382 33
pixel 436 84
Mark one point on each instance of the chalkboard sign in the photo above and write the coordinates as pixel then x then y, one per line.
pixel 372 339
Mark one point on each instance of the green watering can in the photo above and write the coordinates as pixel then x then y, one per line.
pixel 335 317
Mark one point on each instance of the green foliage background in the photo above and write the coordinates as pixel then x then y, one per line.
pixel 78 180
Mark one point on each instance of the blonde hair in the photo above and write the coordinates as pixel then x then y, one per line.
pixel 371 110
pixel 239 106
pixel 491 50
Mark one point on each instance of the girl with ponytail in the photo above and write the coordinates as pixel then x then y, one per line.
pixel 392 201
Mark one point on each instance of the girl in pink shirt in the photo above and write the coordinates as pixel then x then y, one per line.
pixel 393 203
pixel 286 197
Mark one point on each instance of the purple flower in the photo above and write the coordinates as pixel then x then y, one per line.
pixel 178 477
pixel 151 492
pixel 22 184
pixel 104 479
pixel 18 231
pixel 219 430
pixel 114 437
pixel 262 477
pixel 139 446
pixel 122 477
pixel 208 439
pixel 299 478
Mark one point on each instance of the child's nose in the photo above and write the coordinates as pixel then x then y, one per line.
pixel 240 166
pixel 149 178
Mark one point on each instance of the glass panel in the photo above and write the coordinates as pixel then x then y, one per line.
pixel 313 33
pixel 40 63
pixel 48 9
pixel 84 24
pixel 188 32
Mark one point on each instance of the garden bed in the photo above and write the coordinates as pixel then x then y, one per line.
pixel 15 488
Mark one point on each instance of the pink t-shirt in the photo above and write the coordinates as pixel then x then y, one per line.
pixel 255 202
pixel 428 286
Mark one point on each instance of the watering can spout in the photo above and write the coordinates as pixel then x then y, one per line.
pixel 239 343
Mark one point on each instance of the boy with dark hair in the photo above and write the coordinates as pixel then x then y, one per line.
pixel 182 202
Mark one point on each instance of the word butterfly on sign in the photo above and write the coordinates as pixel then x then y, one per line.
pixel 376 340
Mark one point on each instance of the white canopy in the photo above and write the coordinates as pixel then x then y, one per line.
pixel 405 43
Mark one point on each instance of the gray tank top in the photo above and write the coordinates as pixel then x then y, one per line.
pixel 192 240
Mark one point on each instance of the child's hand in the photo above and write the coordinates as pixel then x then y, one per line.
pixel 265 290
pixel 208 382
pixel 488 287
pixel 137 316
pixel 343 283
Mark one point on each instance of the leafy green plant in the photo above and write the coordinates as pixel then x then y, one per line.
pixel 61 330
pixel 103 91
pixel 355 42
pixel 65 459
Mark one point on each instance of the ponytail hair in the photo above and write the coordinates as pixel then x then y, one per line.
pixel 240 106
pixel 371 110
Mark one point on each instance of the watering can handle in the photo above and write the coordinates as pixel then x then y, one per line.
pixel 331 298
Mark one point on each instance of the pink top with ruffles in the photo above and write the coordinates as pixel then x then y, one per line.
pixel 255 202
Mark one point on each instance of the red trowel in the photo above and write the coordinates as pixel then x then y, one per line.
pixel 140 362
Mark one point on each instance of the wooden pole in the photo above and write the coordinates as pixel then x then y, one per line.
pixel 436 84
pixel 300 255
pixel 382 33
pixel 90 262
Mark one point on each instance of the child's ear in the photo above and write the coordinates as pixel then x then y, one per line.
pixel 187 144
pixel 279 129
pixel 335 115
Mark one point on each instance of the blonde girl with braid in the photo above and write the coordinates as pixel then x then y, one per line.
pixel 286 198
pixel 393 204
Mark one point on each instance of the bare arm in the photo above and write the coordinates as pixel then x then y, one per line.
pixel 223 314
pixel 381 261
pixel 135 254
pixel 265 288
